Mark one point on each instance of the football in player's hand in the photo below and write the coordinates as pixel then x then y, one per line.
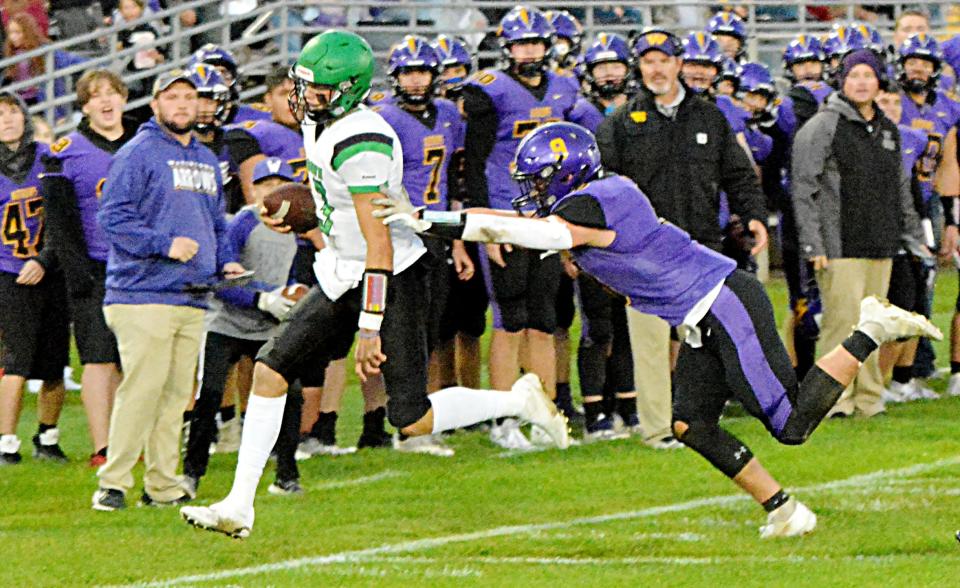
pixel 295 292
pixel 293 204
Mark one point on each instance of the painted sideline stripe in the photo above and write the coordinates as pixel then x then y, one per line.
pixel 384 475
pixel 659 560
pixel 429 543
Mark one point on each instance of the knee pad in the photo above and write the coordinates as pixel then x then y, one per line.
pixel 724 451
pixel 405 410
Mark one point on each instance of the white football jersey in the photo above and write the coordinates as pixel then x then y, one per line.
pixel 359 153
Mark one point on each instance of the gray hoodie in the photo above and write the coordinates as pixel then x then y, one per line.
pixel 851 194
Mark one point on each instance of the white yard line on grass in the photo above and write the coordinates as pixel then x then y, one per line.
pixel 384 475
pixel 429 543
pixel 647 560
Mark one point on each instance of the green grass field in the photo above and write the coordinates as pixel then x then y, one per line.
pixel 618 514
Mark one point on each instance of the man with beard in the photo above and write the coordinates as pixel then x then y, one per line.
pixel 681 152
pixel 163 216
pixel 72 185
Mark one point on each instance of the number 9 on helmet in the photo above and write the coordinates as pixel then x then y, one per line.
pixel 551 162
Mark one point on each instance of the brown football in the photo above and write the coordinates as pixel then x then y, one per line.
pixel 293 204
pixel 295 292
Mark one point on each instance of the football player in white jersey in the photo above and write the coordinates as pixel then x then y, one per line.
pixel 372 279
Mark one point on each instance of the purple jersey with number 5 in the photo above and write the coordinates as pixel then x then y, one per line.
pixel 22 205
pixel 518 113
pixel 427 147
pixel 657 266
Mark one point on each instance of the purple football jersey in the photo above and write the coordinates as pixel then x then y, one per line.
pixel 820 90
pixel 22 228
pixel 935 119
pixel 913 144
pixel 85 165
pixel 426 150
pixel 276 140
pixel 246 112
pixel 586 114
pixel 657 266
pixel 519 112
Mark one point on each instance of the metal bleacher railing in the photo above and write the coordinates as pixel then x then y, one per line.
pixel 269 35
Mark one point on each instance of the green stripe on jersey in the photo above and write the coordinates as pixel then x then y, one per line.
pixel 363 189
pixel 366 146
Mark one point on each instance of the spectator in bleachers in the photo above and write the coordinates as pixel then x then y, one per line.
pixel 42 131
pixel 74 18
pixel 853 207
pixel 35 8
pixel 141 35
pixel 23 34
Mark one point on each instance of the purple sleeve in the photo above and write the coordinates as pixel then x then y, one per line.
pixel 226 251
pixel 237 232
pixel 120 216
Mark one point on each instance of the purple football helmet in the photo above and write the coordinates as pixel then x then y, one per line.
pixel 524 23
pixel 413 53
pixel 211 84
pixel 755 78
pixel 452 52
pixel 700 47
pixel 566 27
pixel 656 39
pixel 606 48
pixel 801 49
pixel 921 46
pixel 219 57
pixel 552 161
pixel 729 24
pixel 730 73
pixel 872 39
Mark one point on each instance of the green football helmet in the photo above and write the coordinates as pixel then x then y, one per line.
pixel 337 59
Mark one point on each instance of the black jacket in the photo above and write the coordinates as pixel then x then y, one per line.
pixel 851 195
pixel 682 164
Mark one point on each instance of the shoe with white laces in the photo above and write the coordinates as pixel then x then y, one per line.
pixel 883 322
pixel 425 444
pixel 792 519
pixel 509 436
pixel 540 411
pixel 953 385
pixel 219 518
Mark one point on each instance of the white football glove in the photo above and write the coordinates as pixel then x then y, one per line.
pixel 274 303
pixel 400 212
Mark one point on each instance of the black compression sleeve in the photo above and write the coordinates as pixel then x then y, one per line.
pixel 481 136
pixel 241 145
pixel 582 210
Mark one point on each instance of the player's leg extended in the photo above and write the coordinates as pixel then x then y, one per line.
pixel 700 392
pixel 412 411
pixel 313 325
pixel 758 368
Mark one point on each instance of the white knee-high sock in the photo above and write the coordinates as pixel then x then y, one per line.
pixel 260 430
pixel 459 407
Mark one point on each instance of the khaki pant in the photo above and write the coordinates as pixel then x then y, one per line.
pixel 650 343
pixel 843 284
pixel 159 346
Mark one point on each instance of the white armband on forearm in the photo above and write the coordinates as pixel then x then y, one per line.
pixel 531 233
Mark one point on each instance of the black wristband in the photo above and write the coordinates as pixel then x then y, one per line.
pixel 949 210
